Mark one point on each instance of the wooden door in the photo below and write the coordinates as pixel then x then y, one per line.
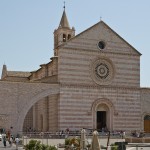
pixel 147 124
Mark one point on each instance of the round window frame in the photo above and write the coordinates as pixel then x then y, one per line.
pixel 112 72
pixel 102 42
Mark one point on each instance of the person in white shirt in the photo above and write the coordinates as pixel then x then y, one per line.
pixel 17 142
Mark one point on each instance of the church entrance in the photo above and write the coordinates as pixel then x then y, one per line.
pixel 102 111
pixel 147 123
pixel 101 120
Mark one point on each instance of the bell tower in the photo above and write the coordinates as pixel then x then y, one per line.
pixel 63 33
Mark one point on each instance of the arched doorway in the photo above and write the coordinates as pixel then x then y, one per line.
pixel 102 117
pixel 102 111
pixel 147 123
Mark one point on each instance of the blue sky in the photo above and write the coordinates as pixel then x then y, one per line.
pixel 26 28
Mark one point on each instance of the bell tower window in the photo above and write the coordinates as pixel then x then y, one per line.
pixel 64 37
pixel 69 36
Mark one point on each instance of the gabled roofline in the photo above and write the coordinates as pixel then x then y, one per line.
pixel 76 36
pixel 108 28
pixel 121 38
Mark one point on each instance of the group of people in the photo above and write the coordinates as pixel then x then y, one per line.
pixel 8 138
pixel 137 133
pixel 62 133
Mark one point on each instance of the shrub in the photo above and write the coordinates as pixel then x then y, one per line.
pixel 114 147
pixel 31 145
pixel 44 147
pixel 36 145
pixel 75 141
pixel 52 148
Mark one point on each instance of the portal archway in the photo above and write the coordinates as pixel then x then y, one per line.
pixel 102 112
pixel 102 117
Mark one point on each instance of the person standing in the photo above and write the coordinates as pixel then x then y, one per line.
pixel 4 141
pixel 17 142
pixel 8 135
pixel 10 141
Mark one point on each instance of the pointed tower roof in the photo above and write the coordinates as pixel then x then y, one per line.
pixel 64 21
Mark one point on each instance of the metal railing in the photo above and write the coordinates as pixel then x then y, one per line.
pixel 46 137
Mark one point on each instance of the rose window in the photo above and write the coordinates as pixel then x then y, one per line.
pixel 102 71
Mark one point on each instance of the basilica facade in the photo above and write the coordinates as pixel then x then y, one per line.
pixel 92 81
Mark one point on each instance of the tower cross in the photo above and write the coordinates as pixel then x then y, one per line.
pixel 64 5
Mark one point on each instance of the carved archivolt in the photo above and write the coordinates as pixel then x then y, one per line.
pixel 101 101
pixel 145 114
pixel 104 102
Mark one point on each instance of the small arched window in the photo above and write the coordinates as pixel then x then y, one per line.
pixel 69 36
pixel 64 37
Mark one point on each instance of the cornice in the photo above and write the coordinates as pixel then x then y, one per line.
pixel 145 90
pixel 96 51
pixel 98 86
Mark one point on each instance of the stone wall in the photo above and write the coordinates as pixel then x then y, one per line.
pixel 79 91
pixel 28 122
pixel 41 115
pixel 46 70
pixel 145 104
pixel 77 56
pixel 76 107
pixel 17 98
pixel 53 113
pixel 145 99
pixel 75 68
